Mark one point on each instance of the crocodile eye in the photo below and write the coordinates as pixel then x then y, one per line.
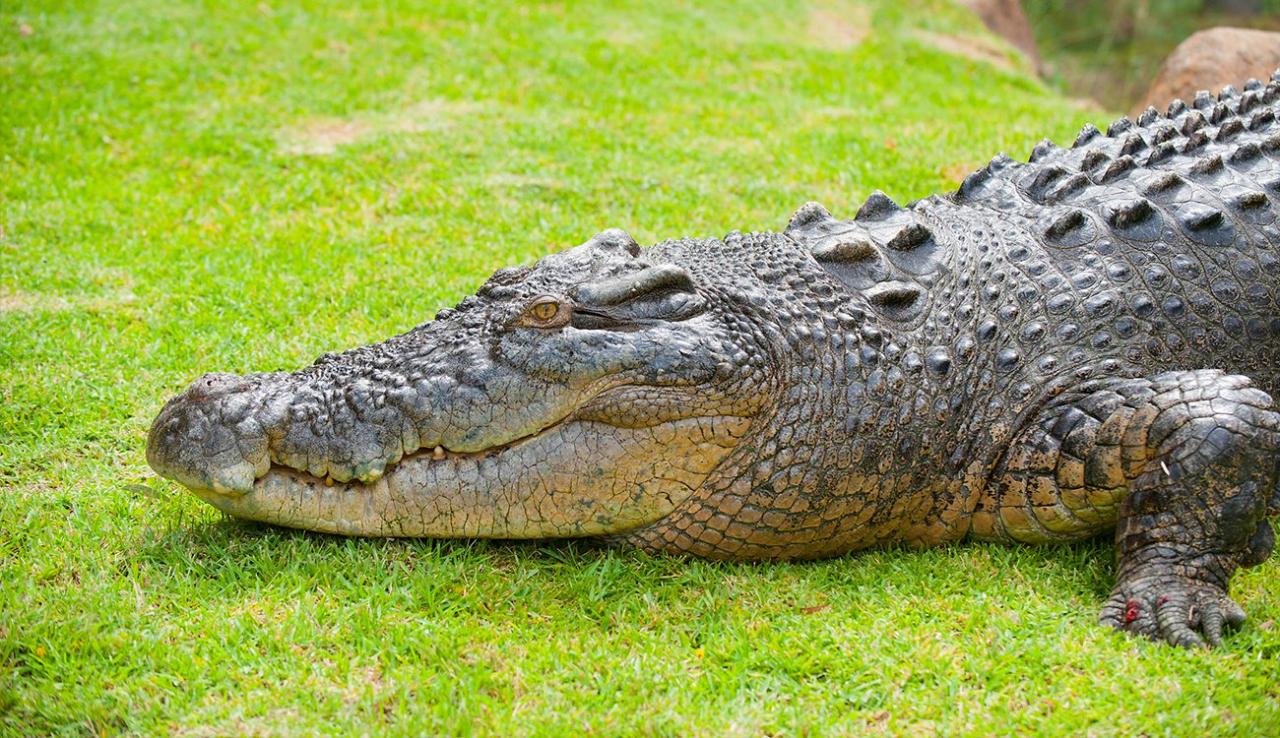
pixel 546 312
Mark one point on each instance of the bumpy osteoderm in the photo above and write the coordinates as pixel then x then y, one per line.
pixel 1081 343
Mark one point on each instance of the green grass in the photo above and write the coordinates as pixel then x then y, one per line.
pixel 189 186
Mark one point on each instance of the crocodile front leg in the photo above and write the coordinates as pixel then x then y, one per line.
pixel 1183 465
pixel 1197 511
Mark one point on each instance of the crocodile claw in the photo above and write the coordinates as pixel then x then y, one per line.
pixel 1179 610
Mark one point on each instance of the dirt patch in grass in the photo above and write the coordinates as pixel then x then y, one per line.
pixel 35 302
pixel 838 26
pixel 523 181
pixel 19 302
pixel 326 134
pixel 977 48
pixel 624 36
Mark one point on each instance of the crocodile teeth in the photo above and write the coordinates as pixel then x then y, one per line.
pixel 372 473
pixel 438 454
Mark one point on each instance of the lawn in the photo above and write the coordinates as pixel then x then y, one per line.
pixel 192 186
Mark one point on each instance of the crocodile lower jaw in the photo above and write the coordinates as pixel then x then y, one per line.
pixel 575 478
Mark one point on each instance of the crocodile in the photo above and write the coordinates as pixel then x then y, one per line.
pixel 1083 344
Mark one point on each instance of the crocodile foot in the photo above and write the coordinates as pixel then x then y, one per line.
pixel 1170 607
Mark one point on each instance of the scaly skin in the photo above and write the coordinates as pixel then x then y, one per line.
pixel 1062 348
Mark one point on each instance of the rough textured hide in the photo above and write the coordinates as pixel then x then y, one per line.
pixel 1078 344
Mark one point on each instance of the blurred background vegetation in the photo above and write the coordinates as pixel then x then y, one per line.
pixel 1110 50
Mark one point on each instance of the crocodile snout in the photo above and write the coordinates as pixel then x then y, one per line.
pixel 213 436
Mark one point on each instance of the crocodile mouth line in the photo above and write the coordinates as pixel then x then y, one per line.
pixel 440 454
pixel 428 455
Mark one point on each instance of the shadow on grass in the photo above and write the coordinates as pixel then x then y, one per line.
pixel 246 556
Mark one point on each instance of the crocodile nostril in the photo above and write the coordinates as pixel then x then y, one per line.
pixel 212 436
pixel 216 384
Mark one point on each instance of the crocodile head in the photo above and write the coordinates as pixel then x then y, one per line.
pixel 590 394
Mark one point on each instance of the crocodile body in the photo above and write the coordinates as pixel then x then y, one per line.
pixel 1083 343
